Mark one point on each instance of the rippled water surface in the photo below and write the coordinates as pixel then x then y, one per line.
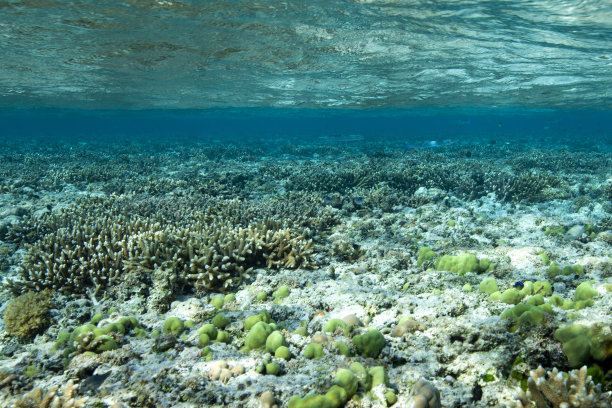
pixel 316 53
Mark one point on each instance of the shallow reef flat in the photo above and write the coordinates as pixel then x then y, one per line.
pixel 339 273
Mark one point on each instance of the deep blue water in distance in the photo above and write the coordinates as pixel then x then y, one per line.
pixel 546 129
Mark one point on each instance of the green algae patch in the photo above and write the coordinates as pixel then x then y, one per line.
pixel 105 343
pixel 362 374
pixel 390 397
pixel 556 300
pixel 174 326
pixel 525 314
pixel 463 263
pixel 347 380
pixel 542 288
pixel 555 269
pixel 424 255
pixel 273 369
pixel 283 352
pixel 346 384
pixel 97 318
pixel 379 376
pixel 332 325
pixel 488 286
pixel 342 349
pixel 263 316
pixel 584 345
pixel 89 338
pixel 495 296
pixel 585 291
pixel 62 339
pixel 217 302
pixel 369 344
pixel 280 293
pixel 220 321
pixel 203 339
pixel 257 336
pixel 313 351
pixel 536 300
pixel 209 330
pixel 31 371
pixel 544 258
pixel 511 296
pixel 274 341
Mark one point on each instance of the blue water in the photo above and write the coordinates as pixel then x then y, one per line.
pixel 411 71
pixel 396 129
pixel 374 127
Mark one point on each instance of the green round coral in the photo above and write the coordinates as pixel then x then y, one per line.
pixel 257 336
pixel 174 326
pixel 274 341
pixel 369 344
pixel 313 351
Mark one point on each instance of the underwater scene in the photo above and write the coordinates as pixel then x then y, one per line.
pixel 290 204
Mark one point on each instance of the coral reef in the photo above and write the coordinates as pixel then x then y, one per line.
pixel 95 248
pixel 220 275
pixel 556 389
pixel 52 398
pixel 28 314
pixel 424 395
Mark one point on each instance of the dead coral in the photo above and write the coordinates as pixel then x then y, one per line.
pixel 424 395
pixel 27 314
pixel 52 398
pixel 562 390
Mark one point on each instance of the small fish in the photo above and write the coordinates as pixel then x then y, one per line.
pixel 92 383
pixel 519 285
pixel 358 200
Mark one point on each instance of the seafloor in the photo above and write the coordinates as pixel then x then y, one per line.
pixel 103 242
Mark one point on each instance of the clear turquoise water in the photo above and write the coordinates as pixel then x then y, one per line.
pixel 190 54
pixel 409 72
pixel 579 130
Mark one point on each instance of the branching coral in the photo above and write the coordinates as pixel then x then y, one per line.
pixel 562 390
pixel 52 398
pixel 96 248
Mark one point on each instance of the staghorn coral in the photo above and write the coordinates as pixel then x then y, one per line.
pixel 52 398
pixel 95 248
pixel 27 314
pixel 562 390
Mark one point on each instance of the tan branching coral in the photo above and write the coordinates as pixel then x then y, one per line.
pixel 53 398
pixel 95 249
pixel 557 389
